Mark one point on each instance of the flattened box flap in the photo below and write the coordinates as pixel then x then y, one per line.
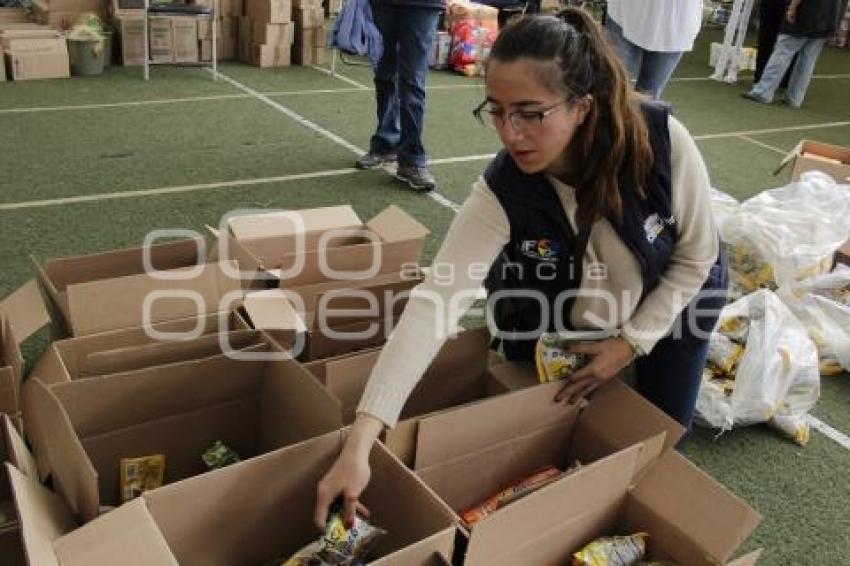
pixel 598 485
pixel 680 493
pixel 395 225
pixel 25 311
pixel 16 450
pixel 43 517
pixel 126 536
pixel 287 223
pixel 271 310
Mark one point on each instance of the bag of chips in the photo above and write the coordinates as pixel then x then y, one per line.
pixel 219 455
pixel 553 360
pixel 612 551
pixel 516 490
pixel 141 474
pixel 340 546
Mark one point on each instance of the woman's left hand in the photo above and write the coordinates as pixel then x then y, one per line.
pixel 607 359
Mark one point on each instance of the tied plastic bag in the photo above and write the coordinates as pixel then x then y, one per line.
pixel 786 234
pixel 471 44
pixel 822 304
pixel 776 379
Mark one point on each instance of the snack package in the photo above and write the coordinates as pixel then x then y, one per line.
pixel 518 489
pixel 554 362
pixel 724 353
pixel 219 455
pixel 339 546
pixel 612 551
pixel 141 474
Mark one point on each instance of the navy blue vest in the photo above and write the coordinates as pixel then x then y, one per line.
pixel 545 253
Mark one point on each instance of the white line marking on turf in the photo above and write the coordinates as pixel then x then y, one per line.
pixel 120 104
pixel 699 79
pixel 829 432
pixel 770 131
pixel 462 159
pixel 172 190
pixel 343 78
pixel 322 131
pixel 764 145
pixel 294 115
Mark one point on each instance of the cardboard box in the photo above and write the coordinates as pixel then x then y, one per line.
pixel 834 160
pixel 332 7
pixel 132 31
pixel 179 410
pixel 294 222
pixel 245 49
pixel 67 360
pixel 185 40
pixel 469 453
pixel 106 291
pixel 273 34
pixel 184 523
pixel 2 65
pixel 14 15
pixel 385 244
pixel 746 57
pixel 459 375
pixel 308 17
pixel 161 32
pixel 306 3
pixel 265 56
pixel 332 318
pixel 227 48
pixel 205 50
pixel 22 314
pixel 43 58
pixel 269 11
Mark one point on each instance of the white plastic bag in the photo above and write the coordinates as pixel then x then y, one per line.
pixel 822 304
pixel 785 234
pixel 776 379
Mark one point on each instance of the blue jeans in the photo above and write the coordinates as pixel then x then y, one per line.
pixel 807 50
pixel 650 69
pixel 671 375
pixel 408 34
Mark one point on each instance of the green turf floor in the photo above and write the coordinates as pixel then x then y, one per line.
pixel 219 134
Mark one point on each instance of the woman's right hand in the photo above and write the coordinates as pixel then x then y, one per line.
pixel 350 474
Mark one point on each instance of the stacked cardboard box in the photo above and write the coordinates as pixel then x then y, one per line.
pixel 332 7
pixel 62 14
pixel 36 53
pixel 310 32
pixel 227 14
pixel 266 33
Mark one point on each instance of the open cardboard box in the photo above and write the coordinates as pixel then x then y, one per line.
pixel 470 453
pixel 107 291
pixel 459 374
pixel 37 515
pixel 809 155
pixel 21 315
pixel 331 250
pixel 179 410
pixel 331 318
pixel 72 358
pixel 261 510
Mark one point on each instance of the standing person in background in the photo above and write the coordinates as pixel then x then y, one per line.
pixel 651 36
pixel 804 31
pixel 408 28
pixel 771 16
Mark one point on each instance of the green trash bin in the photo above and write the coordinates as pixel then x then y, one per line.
pixel 87 56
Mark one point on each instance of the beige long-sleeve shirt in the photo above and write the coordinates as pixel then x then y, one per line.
pixel 479 232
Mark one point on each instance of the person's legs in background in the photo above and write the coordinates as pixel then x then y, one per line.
pixel 786 47
pixel 387 136
pixel 771 14
pixel 656 68
pixel 801 76
pixel 630 53
pixel 417 28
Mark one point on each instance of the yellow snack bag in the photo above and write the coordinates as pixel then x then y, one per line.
pixel 141 474
pixel 612 551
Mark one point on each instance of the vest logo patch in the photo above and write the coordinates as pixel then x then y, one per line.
pixel 654 225
pixel 543 249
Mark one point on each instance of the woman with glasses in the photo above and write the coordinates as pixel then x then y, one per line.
pixel 595 215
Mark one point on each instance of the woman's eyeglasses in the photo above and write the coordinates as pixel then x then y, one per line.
pixel 521 120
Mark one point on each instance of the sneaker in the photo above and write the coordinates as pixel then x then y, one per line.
pixel 750 95
pixel 374 160
pixel 419 178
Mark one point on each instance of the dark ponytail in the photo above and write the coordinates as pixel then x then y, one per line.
pixel 576 60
